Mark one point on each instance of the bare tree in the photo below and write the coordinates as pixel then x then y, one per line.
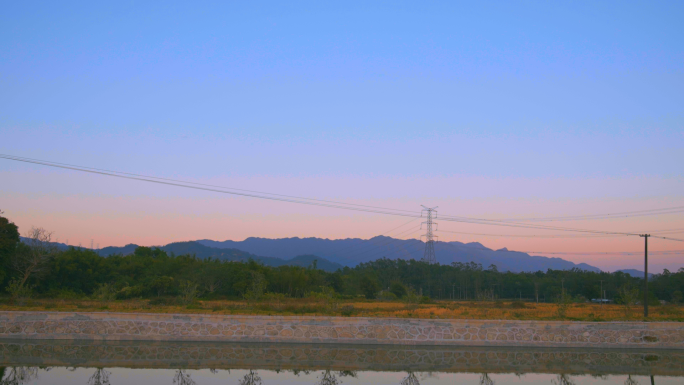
pixel 100 377
pixel 32 260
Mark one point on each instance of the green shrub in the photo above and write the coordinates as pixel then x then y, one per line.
pixel 518 305
pixel 160 301
pixel 387 296
pixel 398 289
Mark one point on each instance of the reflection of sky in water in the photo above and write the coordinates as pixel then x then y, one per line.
pixel 118 376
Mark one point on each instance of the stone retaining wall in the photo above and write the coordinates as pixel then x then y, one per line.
pixel 338 330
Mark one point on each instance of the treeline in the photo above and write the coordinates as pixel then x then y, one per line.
pixel 34 267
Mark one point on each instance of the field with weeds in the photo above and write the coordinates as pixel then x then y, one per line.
pixel 513 310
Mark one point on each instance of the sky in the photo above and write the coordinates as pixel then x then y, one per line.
pixel 486 109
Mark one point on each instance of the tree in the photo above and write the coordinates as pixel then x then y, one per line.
pixel 398 289
pixel 369 286
pixel 33 256
pixel 628 297
pixel 9 239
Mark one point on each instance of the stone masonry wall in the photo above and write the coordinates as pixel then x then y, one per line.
pixel 338 330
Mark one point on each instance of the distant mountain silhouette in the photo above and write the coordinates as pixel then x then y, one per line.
pixel 635 273
pixel 335 254
pixel 203 252
pixel 352 251
pixel 228 254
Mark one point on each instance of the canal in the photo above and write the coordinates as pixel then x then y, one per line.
pixel 187 363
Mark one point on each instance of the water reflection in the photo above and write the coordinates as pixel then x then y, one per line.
pixel 251 378
pixel 22 375
pixel 410 380
pixel 111 363
pixel 18 375
pixel 100 377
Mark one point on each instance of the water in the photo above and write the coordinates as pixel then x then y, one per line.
pixel 152 363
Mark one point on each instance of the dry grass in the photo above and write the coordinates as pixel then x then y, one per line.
pixel 359 308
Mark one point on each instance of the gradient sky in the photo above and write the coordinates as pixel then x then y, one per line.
pixel 488 109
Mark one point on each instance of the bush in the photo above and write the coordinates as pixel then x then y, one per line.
pixel 19 292
pixel 387 296
pixel 517 305
pixel 160 301
pixel 188 292
pixel 398 289
pixel 130 292
pixel 425 300
pixel 104 292
pixel 347 310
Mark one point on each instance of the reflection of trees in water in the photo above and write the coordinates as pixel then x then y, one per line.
pixel 182 378
pixel 563 379
pixel 328 378
pixel 410 380
pixel 100 377
pixel 631 381
pixel 251 378
pixel 18 375
pixel 485 380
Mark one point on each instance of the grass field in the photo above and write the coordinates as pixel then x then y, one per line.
pixel 514 310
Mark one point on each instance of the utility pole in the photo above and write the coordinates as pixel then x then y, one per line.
pixel 645 236
pixel 601 294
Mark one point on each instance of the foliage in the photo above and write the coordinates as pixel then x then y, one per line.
pixel 151 272
pixel 105 292
pixel 19 292
pixel 628 297
pixel 188 292
pixel 564 301
pixel 32 257
pixel 398 289
pixel 369 286
pixel 9 240
pixel 386 295
pixel 256 290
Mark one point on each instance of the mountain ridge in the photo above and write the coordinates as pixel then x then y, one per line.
pixel 352 251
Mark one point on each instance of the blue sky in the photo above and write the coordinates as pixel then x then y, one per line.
pixel 476 106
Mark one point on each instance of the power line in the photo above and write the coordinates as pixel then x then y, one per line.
pixel 529 236
pixel 302 200
pixel 181 183
pixel 625 214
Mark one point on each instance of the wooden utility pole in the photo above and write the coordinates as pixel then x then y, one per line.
pixel 645 236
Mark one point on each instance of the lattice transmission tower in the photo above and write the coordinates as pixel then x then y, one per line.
pixel 429 255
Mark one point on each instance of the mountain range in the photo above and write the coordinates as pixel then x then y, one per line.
pixel 352 251
pixel 331 255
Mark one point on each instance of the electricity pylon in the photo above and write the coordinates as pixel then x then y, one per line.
pixel 429 255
